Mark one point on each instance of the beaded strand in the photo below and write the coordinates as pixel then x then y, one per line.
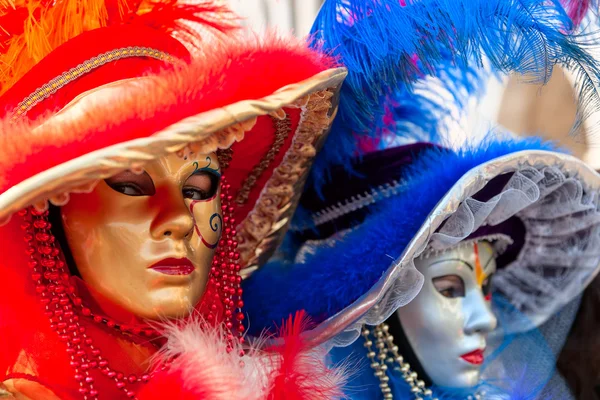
pixel 63 307
pixel 388 356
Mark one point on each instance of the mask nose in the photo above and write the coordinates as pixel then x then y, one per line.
pixel 480 318
pixel 173 219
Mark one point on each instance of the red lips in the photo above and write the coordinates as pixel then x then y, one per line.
pixel 474 357
pixel 174 266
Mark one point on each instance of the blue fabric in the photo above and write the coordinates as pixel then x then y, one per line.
pixel 334 277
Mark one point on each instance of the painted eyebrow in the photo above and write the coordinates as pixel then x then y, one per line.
pixel 488 263
pixel 206 168
pixel 454 259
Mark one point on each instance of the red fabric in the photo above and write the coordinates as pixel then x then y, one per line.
pixel 17 324
pixel 246 156
pixel 169 386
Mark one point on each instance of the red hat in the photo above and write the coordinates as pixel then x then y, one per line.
pixel 118 89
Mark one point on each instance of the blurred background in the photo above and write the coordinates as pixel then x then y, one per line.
pixel 548 111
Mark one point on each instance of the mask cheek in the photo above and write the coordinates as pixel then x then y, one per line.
pixel 208 222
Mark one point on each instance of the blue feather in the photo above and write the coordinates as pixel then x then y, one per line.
pixel 379 40
pixel 336 276
pixel 413 114
pixel 417 114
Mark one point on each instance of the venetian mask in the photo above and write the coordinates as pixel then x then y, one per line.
pixel 145 241
pixel 448 322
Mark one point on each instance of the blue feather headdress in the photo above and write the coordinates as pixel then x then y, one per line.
pixel 388 46
pixel 356 261
pixel 358 235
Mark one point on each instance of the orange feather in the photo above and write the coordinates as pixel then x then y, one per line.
pixel 31 29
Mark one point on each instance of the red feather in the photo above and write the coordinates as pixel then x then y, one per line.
pixel 30 30
pixel 303 373
pixel 167 16
pixel 202 370
pixel 577 9
pixel 193 24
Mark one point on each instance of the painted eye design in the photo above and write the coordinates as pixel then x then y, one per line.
pixel 131 184
pixel 450 286
pixel 201 185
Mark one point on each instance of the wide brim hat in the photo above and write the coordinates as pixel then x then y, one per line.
pixel 123 94
pixel 356 262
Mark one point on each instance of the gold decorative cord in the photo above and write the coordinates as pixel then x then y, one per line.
pixel 51 87
pixel 224 156
pixel 283 127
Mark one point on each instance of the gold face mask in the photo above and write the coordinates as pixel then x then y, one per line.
pixel 146 241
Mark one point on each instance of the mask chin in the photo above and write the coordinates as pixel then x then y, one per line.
pixel 405 348
pixel 408 353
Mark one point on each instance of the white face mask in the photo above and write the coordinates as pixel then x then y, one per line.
pixel 448 322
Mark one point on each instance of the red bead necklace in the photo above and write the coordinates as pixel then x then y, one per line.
pixel 63 307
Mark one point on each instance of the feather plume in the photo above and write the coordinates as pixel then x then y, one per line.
pixel 303 375
pixel 579 9
pixel 421 113
pixel 30 30
pixel 203 370
pixel 379 41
